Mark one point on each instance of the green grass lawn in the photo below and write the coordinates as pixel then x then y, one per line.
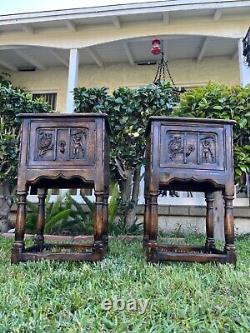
pixel 67 297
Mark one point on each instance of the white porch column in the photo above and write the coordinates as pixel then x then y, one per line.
pixel 244 69
pixel 72 79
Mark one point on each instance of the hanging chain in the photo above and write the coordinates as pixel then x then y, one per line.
pixel 162 68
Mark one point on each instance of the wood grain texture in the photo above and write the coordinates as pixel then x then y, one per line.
pixel 62 151
pixel 187 154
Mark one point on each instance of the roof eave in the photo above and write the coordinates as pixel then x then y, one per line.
pixel 119 10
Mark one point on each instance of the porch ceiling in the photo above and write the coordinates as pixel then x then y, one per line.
pixel 127 51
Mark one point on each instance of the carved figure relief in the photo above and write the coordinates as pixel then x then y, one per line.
pixel 175 146
pixel 190 147
pixel 45 142
pixel 208 150
pixel 62 144
pixel 78 144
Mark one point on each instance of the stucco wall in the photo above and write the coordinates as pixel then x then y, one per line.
pixel 183 219
pixel 185 72
pixel 89 35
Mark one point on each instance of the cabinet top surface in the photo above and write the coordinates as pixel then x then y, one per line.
pixel 59 114
pixel 56 116
pixel 192 120
pixel 185 121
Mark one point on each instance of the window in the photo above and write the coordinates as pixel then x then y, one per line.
pixel 50 98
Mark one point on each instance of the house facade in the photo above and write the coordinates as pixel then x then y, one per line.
pixel 50 53
pixel 54 51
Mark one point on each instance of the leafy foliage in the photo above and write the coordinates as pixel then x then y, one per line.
pixel 113 207
pixel 12 102
pixel 67 216
pixel 90 99
pixel 116 212
pixel 128 111
pixel 222 102
pixel 8 152
pixel 117 224
pixel 5 79
pixel 63 216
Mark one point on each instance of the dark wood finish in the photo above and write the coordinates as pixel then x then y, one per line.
pixel 189 154
pixel 62 151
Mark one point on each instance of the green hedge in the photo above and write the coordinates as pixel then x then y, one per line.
pixel 223 102
pixel 12 102
pixel 129 110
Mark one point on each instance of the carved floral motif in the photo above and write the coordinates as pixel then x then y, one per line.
pixel 190 149
pixel 62 146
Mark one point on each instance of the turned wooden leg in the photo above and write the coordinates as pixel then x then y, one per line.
pixel 153 219
pixel 99 225
pixel 18 246
pixel 39 238
pixel 105 219
pixel 210 221
pixel 146 220
pixel 229 229
pixel 152 229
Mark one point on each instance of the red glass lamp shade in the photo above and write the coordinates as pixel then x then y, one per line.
pixel 156 47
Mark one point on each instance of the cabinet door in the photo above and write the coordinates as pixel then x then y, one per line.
pixel 66 143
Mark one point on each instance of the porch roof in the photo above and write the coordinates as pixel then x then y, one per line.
pixel 124 13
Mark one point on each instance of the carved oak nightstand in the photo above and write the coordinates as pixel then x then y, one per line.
pixel 62 151
pixel 189 154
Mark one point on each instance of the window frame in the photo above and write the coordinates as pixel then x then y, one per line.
pixel 46 92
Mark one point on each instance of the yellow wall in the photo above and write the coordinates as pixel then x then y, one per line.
pixel 185 73
pixel 51 80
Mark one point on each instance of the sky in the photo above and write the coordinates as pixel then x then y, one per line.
pixel 23 6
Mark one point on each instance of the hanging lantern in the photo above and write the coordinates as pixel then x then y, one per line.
pixel 162 70
pixel 156 47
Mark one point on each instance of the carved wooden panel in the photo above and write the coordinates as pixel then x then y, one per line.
pixel 191 148
pixel 63 145
pixel 45 144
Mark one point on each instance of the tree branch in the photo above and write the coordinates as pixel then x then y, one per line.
pixel 121 169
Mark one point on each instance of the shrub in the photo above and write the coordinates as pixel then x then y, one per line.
pixel 222 102
pixel 64 216
pixel 128 111
pixel 12 102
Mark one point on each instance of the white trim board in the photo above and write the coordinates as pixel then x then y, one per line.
pixel 119 10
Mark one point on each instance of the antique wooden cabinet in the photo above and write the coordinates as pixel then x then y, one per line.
pixel 62 151
pixel 189 155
